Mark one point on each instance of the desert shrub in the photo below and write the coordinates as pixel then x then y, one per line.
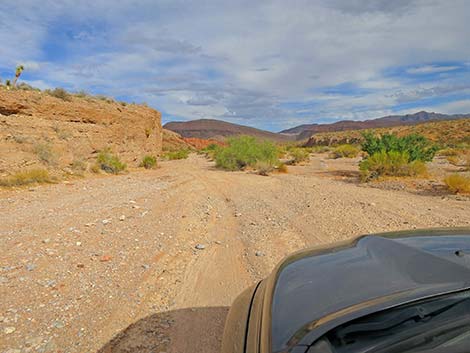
pixel 319 149
pixel 299 155
pixel 148 132
pixel 393 163
pixel 25 87
pixel 246 151
pixel 104 98
pixel 59 93
pixel 179 154
pixel 110 163
pixel 345 151
pixel 20 139
pixel 26 177
pixel 78 165
pixel 281 168
pixel 149 162
pixel 458 183
pixel 211 150
pixel 417 147
pixel 45 153
pixel 263 168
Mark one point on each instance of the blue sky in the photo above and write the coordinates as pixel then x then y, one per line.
pixel 268 64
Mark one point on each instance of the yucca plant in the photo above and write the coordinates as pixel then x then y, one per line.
pixel 19 70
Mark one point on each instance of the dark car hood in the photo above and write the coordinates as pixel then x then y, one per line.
pixel 317 290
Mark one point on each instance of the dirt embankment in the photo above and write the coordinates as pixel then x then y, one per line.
pixel 39 130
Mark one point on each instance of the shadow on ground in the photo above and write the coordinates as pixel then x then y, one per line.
pixel 185 330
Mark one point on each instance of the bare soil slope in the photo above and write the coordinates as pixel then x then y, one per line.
pixel 38 130
pixel 110 264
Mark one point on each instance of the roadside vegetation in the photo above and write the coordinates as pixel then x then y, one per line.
pixel 390 155
pixel 245 152
pixel 149 162
pixel 175 155
pixel 458 183
pixel 109 162
pixel 345 151
pixel 26 177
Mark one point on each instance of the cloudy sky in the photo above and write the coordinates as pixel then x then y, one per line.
pixel 270 64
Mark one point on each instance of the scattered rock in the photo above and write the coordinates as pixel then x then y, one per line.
pixel 81 265
pixel 8 330
pixel 238 214
pixel 259 253
pixel 106 221
pixel 218 242
pixel 78 243
pixel 145 266
pixel 200 246
pixel 45 241
pixel 105 258
pixel 30 267
pixel 58 324
pixel 3 279
pixel 122 218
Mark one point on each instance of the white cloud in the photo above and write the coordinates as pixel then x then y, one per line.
pixel 244 60
pixel 431 69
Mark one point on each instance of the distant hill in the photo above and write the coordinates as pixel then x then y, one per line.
pixel 219 130
pixel 305 131
pixel 444 132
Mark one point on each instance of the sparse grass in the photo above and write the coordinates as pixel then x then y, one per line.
pixel 149 162
pixel 179 154
pixel 45 153
pixel 61 133
pixel 78 166
pixel 458 184
pixel 59 93
pixel 110 163
pixel 391 163
pixel 298 155
pixel 246 151
pixel 26 177
pixel 148 132
pixel 20 139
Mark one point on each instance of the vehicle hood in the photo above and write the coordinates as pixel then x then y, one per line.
pixel 316 290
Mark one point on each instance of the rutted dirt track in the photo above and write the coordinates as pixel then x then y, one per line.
pixel 110 263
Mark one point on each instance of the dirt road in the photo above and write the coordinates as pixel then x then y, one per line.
pixel 110 264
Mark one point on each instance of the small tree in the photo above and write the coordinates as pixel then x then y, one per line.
pixel 19 70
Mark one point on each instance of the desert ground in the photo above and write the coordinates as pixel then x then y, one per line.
pixel 150 261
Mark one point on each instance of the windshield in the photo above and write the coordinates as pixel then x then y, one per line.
pixel 440 324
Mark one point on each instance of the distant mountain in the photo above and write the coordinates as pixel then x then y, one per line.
pixel 219 130
pixel 305 131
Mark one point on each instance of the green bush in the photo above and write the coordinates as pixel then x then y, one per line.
pixel 149 162
pixel 109 162
pixel 416 146
pixel 393 163
pixel 180 154
pixel 246 151
pixel 299 155
pixel 345 151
